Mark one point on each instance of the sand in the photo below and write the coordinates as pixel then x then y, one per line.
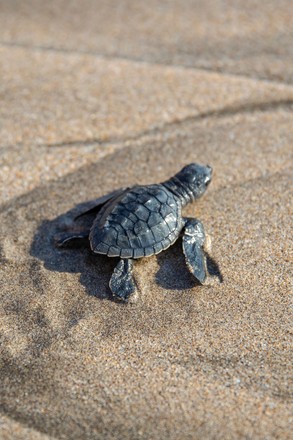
pixel 79 120
pixel 249 37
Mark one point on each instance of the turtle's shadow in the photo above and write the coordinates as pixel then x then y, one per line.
pixel 173 273
pixel 95 270
pixel 181 278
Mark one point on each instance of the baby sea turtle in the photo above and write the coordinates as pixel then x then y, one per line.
pixel 144 220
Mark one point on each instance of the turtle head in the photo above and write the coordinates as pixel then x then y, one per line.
pixel 195 179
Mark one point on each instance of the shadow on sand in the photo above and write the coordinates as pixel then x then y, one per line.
pixel 174 274
pixel 95 270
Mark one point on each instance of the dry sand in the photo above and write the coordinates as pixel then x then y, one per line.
pixel 183 361
pixel 249 37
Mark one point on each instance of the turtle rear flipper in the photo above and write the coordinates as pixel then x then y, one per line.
pixel 122 283
pixel 67 239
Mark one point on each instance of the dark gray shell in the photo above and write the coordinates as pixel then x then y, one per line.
pixel 139 222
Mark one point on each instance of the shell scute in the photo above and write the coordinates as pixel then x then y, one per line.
pixel 165 210
pixel 133 239
pixel 159 232
pixel 161 195
pixel 139 227
pixel 146 238
pixel 142 212
pixel 153 204
pixel 154 219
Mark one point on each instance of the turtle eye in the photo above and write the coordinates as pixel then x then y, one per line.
pixel 207 180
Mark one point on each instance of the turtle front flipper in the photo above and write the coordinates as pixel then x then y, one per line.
pixel 100 202
pixel 122 282
pixel 193 242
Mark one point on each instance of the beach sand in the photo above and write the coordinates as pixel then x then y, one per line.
pixel 87 109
